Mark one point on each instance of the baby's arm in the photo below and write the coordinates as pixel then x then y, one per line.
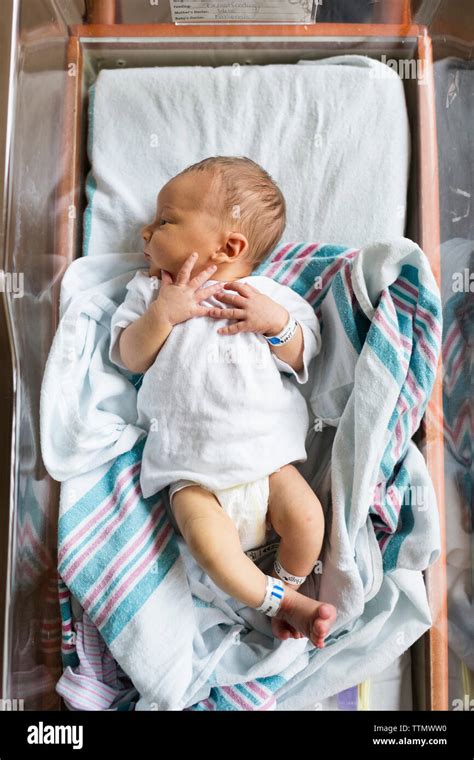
pixel 297 353
pixel 292 352
pixel 141 341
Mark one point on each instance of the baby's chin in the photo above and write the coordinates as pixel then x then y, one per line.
pixel 154 272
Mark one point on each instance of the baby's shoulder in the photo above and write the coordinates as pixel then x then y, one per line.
pixel 283 294
pixel 269 286
pixel 261 282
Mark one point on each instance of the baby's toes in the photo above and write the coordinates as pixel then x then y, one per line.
pixel 327 613
pixel 279 629
pixel 323 622
pixel 283 630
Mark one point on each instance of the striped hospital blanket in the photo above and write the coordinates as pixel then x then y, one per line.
pixel 156 617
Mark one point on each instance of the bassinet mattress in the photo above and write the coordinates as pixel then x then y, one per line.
pixel 333 133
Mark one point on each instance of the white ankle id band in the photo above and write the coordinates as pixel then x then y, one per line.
pixel 286 576
pixel 274 594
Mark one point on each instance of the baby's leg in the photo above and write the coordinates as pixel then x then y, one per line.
pixel 296 515
pixel 213 540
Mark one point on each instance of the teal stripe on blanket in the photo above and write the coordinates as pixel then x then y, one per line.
pixel 90 503
pixel 69 521
pixel 405 524
pixel 384 350
pixel 137 597
pixel 344 307
pixel 94 567
pixel 114 547
pixel 403 323
pixel 239 697
pixel 422 325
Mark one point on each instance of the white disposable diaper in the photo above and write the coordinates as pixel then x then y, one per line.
pixel 246 504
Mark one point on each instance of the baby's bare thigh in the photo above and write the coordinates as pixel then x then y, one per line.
pixel 291 499
pixel 192 502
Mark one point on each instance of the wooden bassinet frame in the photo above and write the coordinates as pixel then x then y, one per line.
pixel 431 653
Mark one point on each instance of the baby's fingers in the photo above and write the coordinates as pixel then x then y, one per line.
pixel 202 277
pixel 211 290
pixel 226 313
pixel 232 298
pixel 184 273
pixel 201 311
pixel 237 327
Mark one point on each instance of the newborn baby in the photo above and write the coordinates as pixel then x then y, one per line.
pixel 224 424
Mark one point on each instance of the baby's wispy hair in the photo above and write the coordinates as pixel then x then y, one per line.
pixel 252 203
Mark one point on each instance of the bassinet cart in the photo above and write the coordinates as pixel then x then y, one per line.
pixel 105 42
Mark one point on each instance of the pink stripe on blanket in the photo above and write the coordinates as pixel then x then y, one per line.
pixel 95 517
pixel 137 574
pixel 133 547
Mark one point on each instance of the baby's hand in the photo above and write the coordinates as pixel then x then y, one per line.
pixel 254 311
pixel 179 301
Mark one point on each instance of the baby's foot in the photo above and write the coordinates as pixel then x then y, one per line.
pixel 283 630
pixel 304 616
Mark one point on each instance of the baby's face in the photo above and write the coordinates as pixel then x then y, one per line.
pixel 182 224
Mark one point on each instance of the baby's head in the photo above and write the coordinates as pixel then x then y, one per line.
pixel 226 208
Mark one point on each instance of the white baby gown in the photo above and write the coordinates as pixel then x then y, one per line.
pixel 217 408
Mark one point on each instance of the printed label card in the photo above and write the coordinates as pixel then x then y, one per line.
pixel 248 11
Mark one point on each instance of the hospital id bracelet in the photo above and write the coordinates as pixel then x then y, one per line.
pixel 284 335
pixel 286 576
pixel 274 594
